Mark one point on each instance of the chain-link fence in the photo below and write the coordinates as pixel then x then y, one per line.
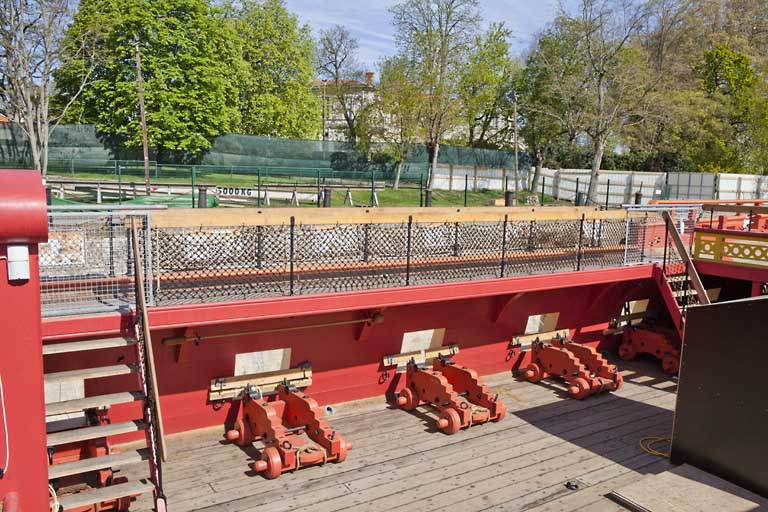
pixel 87 264
pixel 240 263
pixel 648 239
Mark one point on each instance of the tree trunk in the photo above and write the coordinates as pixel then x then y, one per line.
pixel 433 149
pixel 594 177
pixel 536 177
pixel 34 146
pixel 398 167
pixel 538 165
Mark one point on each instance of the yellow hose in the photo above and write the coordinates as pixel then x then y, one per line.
pixel 647 443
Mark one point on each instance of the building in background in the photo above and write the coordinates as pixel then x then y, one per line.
pixel 335 116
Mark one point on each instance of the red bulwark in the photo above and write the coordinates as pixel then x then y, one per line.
pixel 23 221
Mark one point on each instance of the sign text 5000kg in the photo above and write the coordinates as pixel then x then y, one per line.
pixel 236 191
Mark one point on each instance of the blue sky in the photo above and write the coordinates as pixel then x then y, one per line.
pixel 371 22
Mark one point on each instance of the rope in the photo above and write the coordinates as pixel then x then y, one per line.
pixel 4 469
pixel 646 444
pixel 308 448
pixel 54 499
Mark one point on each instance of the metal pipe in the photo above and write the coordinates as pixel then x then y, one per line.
pixel 106 207
pixel 376 318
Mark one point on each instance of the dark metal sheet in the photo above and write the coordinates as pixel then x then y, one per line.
pixel 721 417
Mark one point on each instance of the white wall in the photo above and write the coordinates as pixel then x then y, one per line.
pixel 620 186
pixel 562 183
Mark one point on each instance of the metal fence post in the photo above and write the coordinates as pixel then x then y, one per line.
pixel 421 190
pixel 607 193
pixel 580 250
pixel 292 254
pixel 456 239
pixel 373 187
pixel 504 245
pixel 149 281
pixel 408 252
pixel 259 247
pixel 193 186
pixel 576 194
pixel 666 242
pixel 642 246
pixel 111 236
pixel 318 188
pixel 366 241
pixel 543 181
pixel 466 188
pixel 119 184
pixel 258 188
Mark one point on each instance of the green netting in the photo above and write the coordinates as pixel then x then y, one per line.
pixel 241 160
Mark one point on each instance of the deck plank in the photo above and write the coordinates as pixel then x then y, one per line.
pixel 399 462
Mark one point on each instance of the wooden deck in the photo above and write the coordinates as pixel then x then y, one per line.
pixel 399 463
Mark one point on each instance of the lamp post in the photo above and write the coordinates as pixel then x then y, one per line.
pixel 325 132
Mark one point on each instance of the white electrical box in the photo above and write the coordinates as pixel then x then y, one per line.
pixel 18 262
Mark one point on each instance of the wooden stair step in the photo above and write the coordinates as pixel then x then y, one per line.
pixel 111 492
pixel 96 463
pixel 54 426
pixel 82 346
pixel 84 434
pixel 92 402
pixel 89 373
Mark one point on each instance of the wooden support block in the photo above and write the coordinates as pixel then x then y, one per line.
pixel 226 388
pixel 616 320
pixel 420 356
pixel 524 341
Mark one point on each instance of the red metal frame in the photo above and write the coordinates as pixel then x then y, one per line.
pixel 201 315
pixel 280 424
pixel 184 381
pixel 23 221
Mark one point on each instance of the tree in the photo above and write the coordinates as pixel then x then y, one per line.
pixel 32 44
pixel 436 36
pixel 729 78
pixel 276 97
pixel 191 64
pixel 551 93
pixel 395 112
pixel 337 63
pixel 614 83
pixel 485 88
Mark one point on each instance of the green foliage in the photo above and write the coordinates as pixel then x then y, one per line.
pixel 275 96
pixel 727 72
pixel 551 99
pixel 191 67
pixel 435 37
pixel 485 86
pixel 397 105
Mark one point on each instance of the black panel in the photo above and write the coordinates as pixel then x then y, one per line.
pixel 721 418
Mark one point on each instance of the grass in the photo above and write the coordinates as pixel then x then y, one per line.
pixel 410 197
pixel 403 197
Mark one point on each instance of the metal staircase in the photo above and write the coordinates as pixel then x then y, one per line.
pixel 83 474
